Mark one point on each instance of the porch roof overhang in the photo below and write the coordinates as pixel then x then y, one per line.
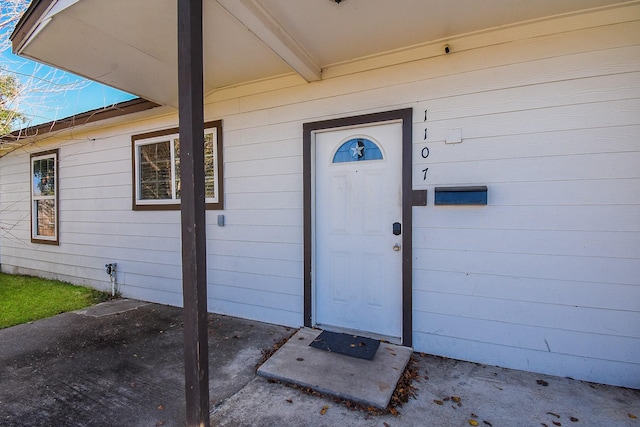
pixel 132 45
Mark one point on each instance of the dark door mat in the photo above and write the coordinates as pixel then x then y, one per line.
pixel 350 345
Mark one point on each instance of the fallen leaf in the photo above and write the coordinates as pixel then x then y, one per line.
pixel 385 424
pixel 159 423
pixel 555 415
pixel 488 423
pixel 574 419
pixel 455 399
pixel 160 407
pixel 544 425
pixel 542 383
pixel 446 399
pixel 393 411
pixel 633 417
pixel 438 402
pixel 473 422
pixel 300 359
pixel 324 410
pixel 473 415
pixel 558 423
pixel 289 401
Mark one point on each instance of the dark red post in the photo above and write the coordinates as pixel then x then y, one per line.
pixel 192 194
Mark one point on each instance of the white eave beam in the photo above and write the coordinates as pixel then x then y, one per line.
pixel 260 22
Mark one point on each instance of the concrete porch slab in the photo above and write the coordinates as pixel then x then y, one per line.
pixel 368 382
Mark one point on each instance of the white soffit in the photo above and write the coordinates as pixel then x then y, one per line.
pixel 335 33
pixel 132 45
pixel 258 20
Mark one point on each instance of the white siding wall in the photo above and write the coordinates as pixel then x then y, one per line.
pixel 97 224
pixel 546 277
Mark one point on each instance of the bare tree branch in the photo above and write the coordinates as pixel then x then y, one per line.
pixel 35 85
pixel 10 13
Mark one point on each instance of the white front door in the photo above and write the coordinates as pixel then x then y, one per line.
pixel 358 258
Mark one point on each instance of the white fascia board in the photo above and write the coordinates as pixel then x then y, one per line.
pixel 54 8
pixel 260 22
pixel 58 6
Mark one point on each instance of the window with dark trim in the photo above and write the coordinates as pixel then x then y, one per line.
pixel 156 168
pixel 44 197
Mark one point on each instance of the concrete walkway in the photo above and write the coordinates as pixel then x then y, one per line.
pixel 454 394
pixel 118 364
pixel 121 365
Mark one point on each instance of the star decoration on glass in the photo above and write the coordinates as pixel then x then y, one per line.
pixel 357 150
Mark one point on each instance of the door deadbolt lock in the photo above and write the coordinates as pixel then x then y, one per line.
pixel 396 247
pixel 397 229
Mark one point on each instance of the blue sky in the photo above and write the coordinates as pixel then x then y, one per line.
pixel 51 94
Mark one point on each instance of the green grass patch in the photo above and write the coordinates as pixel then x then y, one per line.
pixel 24 298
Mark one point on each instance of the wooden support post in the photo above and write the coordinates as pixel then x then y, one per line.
pixel 192 194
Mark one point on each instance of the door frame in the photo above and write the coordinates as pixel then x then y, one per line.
pixel 405 116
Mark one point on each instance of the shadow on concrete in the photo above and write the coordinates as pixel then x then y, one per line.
pixel 118 364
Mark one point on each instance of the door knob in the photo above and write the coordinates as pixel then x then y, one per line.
pixel 396 247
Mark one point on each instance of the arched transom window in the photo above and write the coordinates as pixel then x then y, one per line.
pixel 357 149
